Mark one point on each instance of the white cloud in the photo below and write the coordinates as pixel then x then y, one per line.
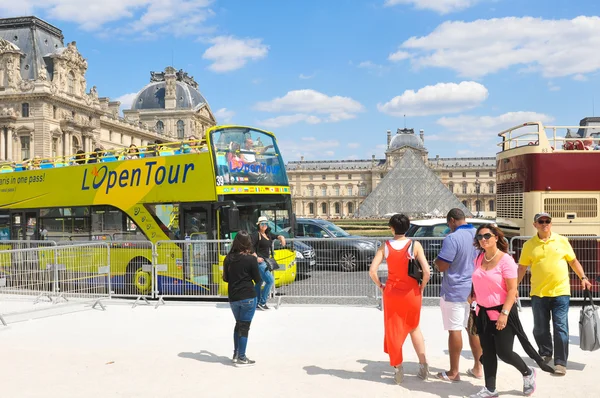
pixel 580 78
pixel 286 120
pixel 148 16
pixel 434 100
pixel 553 47
pixel 482 131
pixel 307 103
pixel 440 6
pixel 306 77
pixel 224 114
pixel 553 87
pixel 399 56
pixel 294 149
pixel 126 100
pixel 229 53
pixel 373 67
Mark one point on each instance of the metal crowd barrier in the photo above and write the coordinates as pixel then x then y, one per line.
pixel 587 251
pixel 190 268
pixel 55 274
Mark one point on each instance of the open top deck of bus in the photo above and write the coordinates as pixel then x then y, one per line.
pixel 549 169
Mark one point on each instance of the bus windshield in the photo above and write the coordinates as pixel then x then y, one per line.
pixel 244 156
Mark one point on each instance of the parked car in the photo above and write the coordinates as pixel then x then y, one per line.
pixel 350 253
pixel 436 228
pixel 306 257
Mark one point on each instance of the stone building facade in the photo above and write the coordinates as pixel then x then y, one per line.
pixel 47 109
pixel 335 188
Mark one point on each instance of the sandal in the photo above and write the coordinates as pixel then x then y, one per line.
pixel 470 373
pixel 444 376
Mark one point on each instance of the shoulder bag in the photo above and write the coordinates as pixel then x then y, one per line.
pixel 589 324
pixel 270 261
pixel 414 267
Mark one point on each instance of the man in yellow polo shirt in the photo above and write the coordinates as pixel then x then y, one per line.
pixel 549 255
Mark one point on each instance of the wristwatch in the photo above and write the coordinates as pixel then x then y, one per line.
pixel 584 278
pixel 505 312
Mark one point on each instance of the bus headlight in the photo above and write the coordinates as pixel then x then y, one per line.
pixel 299 255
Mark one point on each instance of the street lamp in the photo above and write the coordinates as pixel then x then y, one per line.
pixel 477 204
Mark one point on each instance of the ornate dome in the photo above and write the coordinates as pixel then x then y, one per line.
pixel 406 137
pixel 152 96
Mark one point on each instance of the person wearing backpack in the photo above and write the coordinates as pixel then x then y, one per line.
pixel 402 296
pixel 262 241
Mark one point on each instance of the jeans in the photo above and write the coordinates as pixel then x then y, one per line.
pixel 543 308
pixel 243 311
pixel 267 277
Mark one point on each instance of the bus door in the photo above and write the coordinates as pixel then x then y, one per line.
pixel 197 258
pixel 24 225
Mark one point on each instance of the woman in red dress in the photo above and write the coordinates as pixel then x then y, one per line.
pixel 402 296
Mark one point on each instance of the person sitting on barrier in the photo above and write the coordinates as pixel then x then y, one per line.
pixel 402 296
pixel 240 271
pixel 262 241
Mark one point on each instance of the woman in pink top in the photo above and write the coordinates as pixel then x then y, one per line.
pixel 495 291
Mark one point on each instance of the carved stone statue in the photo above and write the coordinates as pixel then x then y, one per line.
pixel 157 77
pixel 42 74
pixel 94 92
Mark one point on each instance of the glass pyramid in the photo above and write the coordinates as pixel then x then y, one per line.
pixel 411 188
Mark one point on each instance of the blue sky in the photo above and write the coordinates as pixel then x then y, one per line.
pixel 331 77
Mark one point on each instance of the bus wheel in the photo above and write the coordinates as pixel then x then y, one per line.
pixel 348 260
pixel 138 280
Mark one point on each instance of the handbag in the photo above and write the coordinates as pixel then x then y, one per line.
pixel 414 267
pixel 270 261
pixel 589 324
pixel 471 323
pixel 271 264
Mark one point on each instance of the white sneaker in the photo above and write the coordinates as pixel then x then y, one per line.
pixel 529 383
pixel 484 393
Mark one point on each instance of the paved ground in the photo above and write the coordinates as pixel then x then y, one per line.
pixel 181 350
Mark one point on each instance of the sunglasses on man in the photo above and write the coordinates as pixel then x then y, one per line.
pixel 544 221
pixel 484 236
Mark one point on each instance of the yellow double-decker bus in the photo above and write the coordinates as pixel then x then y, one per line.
pixel 171 192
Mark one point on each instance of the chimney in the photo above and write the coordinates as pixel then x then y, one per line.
pixel 302 158
pixel 113 108
pixel 170 88
pixel 422 135
pixel 389 138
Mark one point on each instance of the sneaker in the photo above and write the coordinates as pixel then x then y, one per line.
pixel 235 357
pixel 529 383
pixel 560 370
pixel 263 307
pixel 423 371
pixel 242 362
pixel 484 393
pixel 399 375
